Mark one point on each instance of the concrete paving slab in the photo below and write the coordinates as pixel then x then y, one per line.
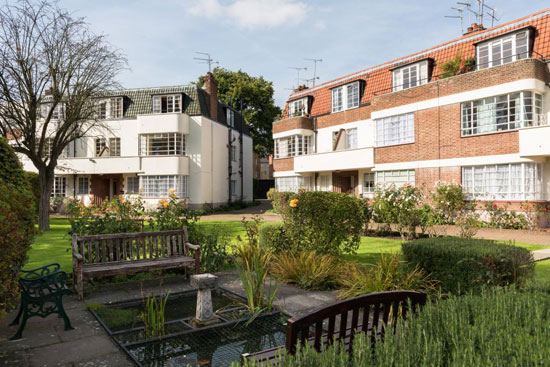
pixel 10 358
pixel 74 351
pixel 541 254
pixel 109 360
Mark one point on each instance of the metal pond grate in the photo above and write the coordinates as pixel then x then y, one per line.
pixel 216 345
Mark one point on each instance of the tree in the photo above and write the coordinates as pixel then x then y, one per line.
pixel 258 105
pixel 52 68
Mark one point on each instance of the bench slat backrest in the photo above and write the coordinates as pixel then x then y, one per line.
pixel 373 314
pixel 104 248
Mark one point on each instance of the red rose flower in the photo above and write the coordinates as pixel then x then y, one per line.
pixel 495 206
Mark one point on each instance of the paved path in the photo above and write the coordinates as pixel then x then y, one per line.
pixel 541 254
pixel 45 343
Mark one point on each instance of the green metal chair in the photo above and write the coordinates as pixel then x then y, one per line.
pixel 42 292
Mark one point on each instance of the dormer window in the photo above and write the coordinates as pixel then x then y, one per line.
pixel 410 76
pixel 298 107
pixel 109 108
pixel 345 97
pixel 503 50
pixel 167 103
pixel 230 115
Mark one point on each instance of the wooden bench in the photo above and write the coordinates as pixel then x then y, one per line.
pixel 126 253
pixel 373 314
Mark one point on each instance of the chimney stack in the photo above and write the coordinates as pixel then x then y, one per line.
pixel 211 87
pixel 474 28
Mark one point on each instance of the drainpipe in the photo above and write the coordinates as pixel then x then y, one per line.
pixel 74 186
pixel 241 163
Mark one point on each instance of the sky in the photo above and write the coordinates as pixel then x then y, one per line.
pixel 266 37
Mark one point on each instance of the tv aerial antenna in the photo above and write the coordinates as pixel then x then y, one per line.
pixel 298 69
pixel 460 16
pixel 315 77
pixel 206 60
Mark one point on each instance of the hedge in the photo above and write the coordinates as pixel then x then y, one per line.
pixel 461 265
pixel 17 219
pixel 500 327
pixel 273 237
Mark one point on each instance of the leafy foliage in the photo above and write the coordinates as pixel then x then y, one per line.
pixel 273 237
pixel 457 66
pixel 17 219
pixel 497 328
pixel 463 265
pixel 448 201
pixel 153 315
pixel 389 274
pixel 501 217
pixel 307 270
pixel 320 221
pixel 214 247
pixel 258 105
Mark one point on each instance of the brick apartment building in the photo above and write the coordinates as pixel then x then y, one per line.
pixel 404 121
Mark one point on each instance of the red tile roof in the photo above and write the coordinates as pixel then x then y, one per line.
pixel 378 78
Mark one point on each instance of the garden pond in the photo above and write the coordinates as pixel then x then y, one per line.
pixel 217 345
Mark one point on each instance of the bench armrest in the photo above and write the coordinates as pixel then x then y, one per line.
pixel 76 254
pixel 197 250
pixel 192 247
pixel 40 272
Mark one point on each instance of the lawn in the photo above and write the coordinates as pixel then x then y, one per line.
pixel 54 246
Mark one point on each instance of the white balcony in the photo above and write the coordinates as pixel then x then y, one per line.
pixel 99 165
pixel 163 123
pixel 534 141
pixel 340 160
pixel 165 165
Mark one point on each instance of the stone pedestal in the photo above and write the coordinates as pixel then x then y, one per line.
pixel 204 283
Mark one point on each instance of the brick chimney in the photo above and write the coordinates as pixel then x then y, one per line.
pixel 474 28
pixel 211 87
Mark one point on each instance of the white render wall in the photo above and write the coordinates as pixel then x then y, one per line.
pixel 205 163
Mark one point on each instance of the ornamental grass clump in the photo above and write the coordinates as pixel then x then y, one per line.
pixel 307 270
pixel 462 265
pixel 153 315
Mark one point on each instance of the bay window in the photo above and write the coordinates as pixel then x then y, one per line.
pixel 501 113
pixel 162 144
pixel 132 185
pixel 292 183
pixel 294 145
pixel 503 50
pixel 167 104
pixel 160 186
pixel 345 97
pixel 410 76
pixel 395 130
pixel 518 181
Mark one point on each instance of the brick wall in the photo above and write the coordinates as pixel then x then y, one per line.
pixel 283 164
pixel 428 177
pixel 293 123
pixel 333 119
pixel 437 136
pixel 523 69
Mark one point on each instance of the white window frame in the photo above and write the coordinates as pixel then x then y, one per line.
pixel 395 177
pixel 502 113
pixel 515 181
pixel 100 146
pixel 233 153
pixel 395 130
pixel 59 187
pixel 351 138
pixel 369 183
pixel 83 187
pixel 158 186
pixel 230 116
pixel 162 144
pixel 292 183
pixel 114 147
pixel 402 78
pixel 324 183
pixel 346 97
pixel 233 187
pixel 132 185
pixel 298 107
pixel 503 50
pixel 294 145
pixel 172 103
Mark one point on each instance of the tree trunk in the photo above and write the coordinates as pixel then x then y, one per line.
pixel 46 180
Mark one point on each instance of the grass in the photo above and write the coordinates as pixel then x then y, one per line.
pixel 54 246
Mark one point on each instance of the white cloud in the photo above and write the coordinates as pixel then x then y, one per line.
pixel 252 13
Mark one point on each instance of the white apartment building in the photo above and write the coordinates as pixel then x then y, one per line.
pixel 156 139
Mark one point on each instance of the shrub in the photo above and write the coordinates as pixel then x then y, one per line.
pixel 17 219
pixel 214 247
pixel 448 200
pixel 468 224
pixel 497 328
pixel 325 222
pixel 172 214
pixel 501 217
pixel 31 178
pixel 389 274
pixel 279 200
pixel 461 265
pixel 273 237
pixel 307 270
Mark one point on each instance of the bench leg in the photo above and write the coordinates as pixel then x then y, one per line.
pixel 63 314
pixel 16 320
pixel 19 332
pixel 79 284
